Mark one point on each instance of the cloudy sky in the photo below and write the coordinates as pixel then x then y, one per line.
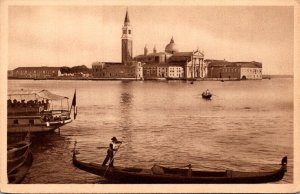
pixel 77 35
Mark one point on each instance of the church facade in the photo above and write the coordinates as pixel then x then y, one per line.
pixel 176 65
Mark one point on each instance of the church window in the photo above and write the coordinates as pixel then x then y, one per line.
pixel 129 31
pixel 124 31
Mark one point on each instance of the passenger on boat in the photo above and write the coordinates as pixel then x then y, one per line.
pixel 14 104
pixel 9 103
pixel 110 152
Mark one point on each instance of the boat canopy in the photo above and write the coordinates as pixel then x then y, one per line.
pixel 45 94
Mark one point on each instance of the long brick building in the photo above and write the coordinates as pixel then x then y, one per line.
pixel 36 72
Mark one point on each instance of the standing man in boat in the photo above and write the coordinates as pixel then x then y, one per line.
pixel 110 152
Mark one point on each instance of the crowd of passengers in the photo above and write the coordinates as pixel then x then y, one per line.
pixel 29 104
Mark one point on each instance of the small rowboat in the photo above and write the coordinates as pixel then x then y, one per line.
pixel 160 174
pixel 206 95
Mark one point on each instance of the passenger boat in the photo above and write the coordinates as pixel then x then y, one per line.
pixel 206 95
pixel 160 174
pixel 19 160
pixel 36 111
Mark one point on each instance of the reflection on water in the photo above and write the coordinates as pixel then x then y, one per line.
pixel 246 126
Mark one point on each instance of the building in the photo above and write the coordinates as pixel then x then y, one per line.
pixel 222 69
pixel 233 70
pixel 36 72
pixel 10 73
pixel 250 70
pixel 167 71
pixel 132 69
pixel 189 64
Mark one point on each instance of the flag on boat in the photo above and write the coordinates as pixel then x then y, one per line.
pixel 74 104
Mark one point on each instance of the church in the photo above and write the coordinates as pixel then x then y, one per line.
pixel 170 64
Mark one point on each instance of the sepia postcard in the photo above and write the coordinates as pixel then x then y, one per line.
pixel 149 96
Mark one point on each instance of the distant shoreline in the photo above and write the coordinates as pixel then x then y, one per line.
pixel 158 79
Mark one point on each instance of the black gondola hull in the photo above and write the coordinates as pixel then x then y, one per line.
pixel 141 176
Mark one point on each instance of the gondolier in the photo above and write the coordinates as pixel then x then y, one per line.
pixel 110 152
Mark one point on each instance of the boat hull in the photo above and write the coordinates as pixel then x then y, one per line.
pixel 206 96
pixel 138 175
pixel 35 128
pixel 19 161
pixel 18 175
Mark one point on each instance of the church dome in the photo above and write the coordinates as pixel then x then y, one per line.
pixel 171 47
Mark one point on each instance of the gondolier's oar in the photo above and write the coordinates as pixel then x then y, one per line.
pixel 112 159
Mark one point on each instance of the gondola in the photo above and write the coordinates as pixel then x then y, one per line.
pixel 159 174
pixel 19 160
pixel 206 95
pixel 19 173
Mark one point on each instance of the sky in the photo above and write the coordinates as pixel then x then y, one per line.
pixel 80 35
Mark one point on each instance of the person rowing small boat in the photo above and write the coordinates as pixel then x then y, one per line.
pixel 206 94
pixel 111 151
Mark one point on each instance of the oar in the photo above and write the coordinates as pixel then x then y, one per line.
pixel 99 147
pixel 112 159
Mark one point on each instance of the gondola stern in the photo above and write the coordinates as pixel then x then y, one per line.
pixel 284 162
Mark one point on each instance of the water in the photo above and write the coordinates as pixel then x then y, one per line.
pixel 247 126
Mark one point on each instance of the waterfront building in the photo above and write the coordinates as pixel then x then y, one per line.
pixel 132 69
pixel 10 74
pixel 163 70
pixel 233 70
pixel 150 71
pixel 250 70
pixel 189 64
pixel 222 69
pixel 36 72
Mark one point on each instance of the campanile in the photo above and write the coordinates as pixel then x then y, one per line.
pixel 126 40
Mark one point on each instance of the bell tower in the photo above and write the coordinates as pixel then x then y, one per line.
pixel 126 40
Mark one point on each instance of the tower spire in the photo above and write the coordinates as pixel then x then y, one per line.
pixel 172 40
pixel 127 20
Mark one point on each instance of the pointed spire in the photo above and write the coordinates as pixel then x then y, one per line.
pixel 172 40
pixel 127 17
pixel 145 50
pixel 154 49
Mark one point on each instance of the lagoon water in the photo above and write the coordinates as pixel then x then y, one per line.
pixel 248 125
